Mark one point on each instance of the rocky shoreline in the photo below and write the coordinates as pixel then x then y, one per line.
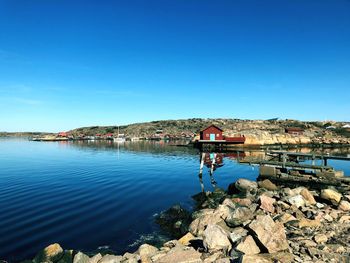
pixel 250 222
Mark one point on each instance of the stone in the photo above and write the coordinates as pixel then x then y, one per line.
pixel 51 253
pixel 215 238
pixel 304 222
pixel 185 240
pixel 320 238
pixel 111 259
pixel 344 219
pixel 203 219
pixel 269 233
pixel 245 185
pixel 95 258
pixel 297 200
pixel 344 205
pixel 237 234
pixel 268 185
pixel 283 257
pixel 266 203
pixel 239 216
pixel 147 251
pixel 181 255
pixel 242 201
pixel 131 258
pixel 67 257
pixel 331 195
pixel 248 246
pixel 309 198
pixel 81 258
pixel 319 205
pixel 286 217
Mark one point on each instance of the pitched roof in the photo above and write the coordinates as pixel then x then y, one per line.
pixel 212 126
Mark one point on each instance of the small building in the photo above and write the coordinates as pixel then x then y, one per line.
pixel 294 130
pixel 211 133
pixel 62 134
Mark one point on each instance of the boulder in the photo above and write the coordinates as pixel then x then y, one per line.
pixel 111 259
pixel 320 238
pixel 304 222
pixel 268 185
pixel 181 255
pixel 51 253
pixel 206 217
pixel 239 216
pixel 81 258
pixel 297 200
pixel 147 251
pixel 270 234
pixel 344 205
pixel 215 239
pixel 237 234
pixel 248 246
pixel 309 198
pixel 245 185
pixel 174 221
pixel 266 203
pixel 95 258
pixel 282 257
pixel 331 195
pixel 185 240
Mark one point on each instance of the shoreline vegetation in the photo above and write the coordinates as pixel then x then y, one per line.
pixel 249 222
pixel 257 133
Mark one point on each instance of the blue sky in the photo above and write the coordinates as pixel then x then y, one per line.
pixel 66 64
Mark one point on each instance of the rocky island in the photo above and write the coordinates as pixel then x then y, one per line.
pixel 258 222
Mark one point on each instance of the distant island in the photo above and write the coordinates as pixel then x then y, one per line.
pixel 256 132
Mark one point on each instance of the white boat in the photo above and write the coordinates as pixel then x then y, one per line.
pixel 120 138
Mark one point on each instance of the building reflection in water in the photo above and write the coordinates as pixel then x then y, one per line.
pixel 214 161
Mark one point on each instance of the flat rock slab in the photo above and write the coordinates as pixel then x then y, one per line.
pixel 180 255
pixel 268 258
pixel 271 235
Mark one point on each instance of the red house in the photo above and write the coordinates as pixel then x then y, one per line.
pixel 211 133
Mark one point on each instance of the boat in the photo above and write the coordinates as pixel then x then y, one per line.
pixel 120 137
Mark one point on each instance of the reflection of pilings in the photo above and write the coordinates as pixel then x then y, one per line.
pixel 212 180
pixel 200 175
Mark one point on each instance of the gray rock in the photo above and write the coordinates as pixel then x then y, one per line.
pixel 239 216
pixel 245 185
pixel 215 239
pixel 237 234
pixel 297 200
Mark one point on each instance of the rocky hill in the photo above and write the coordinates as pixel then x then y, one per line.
pixel 257 132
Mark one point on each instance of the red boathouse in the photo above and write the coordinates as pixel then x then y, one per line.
pixel 211 133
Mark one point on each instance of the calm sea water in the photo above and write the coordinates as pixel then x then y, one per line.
pixel 88 195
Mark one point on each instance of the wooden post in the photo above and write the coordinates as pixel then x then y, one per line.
pixel 200 175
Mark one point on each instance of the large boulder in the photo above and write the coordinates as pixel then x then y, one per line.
pixel 245 185
pixel 297 200
pixel 239 216
pixel 147 251
pixel 51 253
pixel 268 185
pixel 270 234
pixel 204 218
pixel 237 234
pixel 344 205
pixel 215 239
pixel 248 246
pixel 174 221
pixel 331 195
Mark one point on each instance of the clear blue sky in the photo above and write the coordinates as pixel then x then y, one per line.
pixel 66 64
